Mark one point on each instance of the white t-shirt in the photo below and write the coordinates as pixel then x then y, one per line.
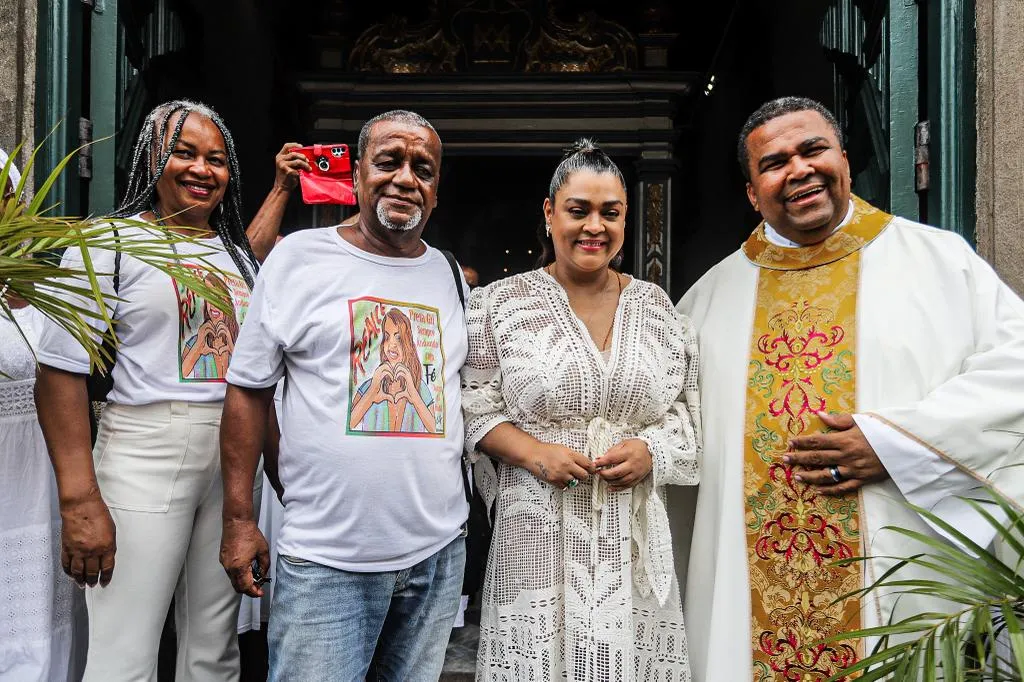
pixel 173 345
pixel 371 469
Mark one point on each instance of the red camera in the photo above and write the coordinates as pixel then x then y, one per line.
pixel 330 181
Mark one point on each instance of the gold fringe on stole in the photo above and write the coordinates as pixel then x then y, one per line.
pixel 802 361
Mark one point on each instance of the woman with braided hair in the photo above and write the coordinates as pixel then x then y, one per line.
pixel 149 494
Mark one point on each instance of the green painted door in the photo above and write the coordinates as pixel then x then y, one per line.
pixel 904 86
pixel 59 98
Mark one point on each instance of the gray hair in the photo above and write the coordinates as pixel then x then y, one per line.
pixel 395 115
pixel 149 159
pixel 774 109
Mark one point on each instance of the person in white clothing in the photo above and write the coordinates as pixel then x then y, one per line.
pixel 42 615
pixel 851 362
pixel 364 322
pixel 148 496
pixel 581 383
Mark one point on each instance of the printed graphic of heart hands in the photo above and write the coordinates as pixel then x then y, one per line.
pixel 215 338
pixel 392 383
pixel 222 343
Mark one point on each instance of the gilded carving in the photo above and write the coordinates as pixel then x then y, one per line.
pixel 590 45
pixel 654 271
pixel 654 224
pixel 395 47
pixel 491 33
pixel 655 215
pixel 494 35
pixel 492 38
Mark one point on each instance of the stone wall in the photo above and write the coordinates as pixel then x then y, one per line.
pixel 1000 104
pixel 17 74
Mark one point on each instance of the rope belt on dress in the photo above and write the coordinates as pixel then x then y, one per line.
pixel 648 519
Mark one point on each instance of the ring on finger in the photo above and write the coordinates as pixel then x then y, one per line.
pixel 571 484
pixel 833 471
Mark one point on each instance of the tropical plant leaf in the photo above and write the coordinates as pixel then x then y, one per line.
pixel 74 297
pixel 1013 626
pixel 981 638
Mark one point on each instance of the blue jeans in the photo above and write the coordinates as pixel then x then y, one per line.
pixel 328 624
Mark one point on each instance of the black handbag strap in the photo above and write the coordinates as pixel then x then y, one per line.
pixel 454 265
pixel 108 344
pixel 117 261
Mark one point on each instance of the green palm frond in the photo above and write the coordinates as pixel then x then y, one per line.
pixel 981 637
pixel 31 239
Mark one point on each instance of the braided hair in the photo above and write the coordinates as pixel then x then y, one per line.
pixel 583 154
pixel 149 159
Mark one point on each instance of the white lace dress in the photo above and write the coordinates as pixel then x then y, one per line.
pixel 42 614
pixel 580 584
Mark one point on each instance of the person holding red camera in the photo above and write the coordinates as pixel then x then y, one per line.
pixel 265 229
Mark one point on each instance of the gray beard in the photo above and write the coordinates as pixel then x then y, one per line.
pixel 411 224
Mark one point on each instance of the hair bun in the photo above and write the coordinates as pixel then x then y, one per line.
pixel 584 145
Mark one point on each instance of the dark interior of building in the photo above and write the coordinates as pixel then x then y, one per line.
pixel 249 60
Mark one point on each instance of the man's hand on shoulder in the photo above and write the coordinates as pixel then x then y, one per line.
pixel 843 451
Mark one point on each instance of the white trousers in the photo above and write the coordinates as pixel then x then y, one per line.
pixel 158 468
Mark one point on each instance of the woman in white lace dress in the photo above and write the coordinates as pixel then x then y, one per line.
pixel 42 615
pixel 581 386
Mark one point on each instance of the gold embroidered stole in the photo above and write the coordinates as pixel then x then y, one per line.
pixel 802 362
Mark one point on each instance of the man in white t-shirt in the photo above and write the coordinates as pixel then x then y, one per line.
pixel 366 324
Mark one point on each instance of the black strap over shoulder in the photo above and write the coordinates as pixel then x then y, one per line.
pixel 99 384
pixel 117 262
pixel 454 265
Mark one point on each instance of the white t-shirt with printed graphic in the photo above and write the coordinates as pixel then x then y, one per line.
pixel 173 345
pixel 371 423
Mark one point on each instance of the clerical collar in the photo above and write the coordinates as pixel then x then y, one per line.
pixel 777 239
pixel 859 230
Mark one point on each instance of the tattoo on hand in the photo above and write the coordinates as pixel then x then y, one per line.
pixel 543 469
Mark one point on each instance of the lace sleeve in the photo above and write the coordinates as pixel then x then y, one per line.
pixel 675 440
pixel 482 402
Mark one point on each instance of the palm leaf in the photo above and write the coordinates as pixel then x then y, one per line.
pixel 981 638
pixel 72 297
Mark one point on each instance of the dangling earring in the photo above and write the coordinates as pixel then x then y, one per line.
pixel 547 229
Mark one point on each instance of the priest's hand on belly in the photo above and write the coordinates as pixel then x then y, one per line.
pixel 838 462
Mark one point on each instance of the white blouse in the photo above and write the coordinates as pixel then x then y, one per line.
pixel 172 344
pixel 581 582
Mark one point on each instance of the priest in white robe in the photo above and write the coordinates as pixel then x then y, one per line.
pixel 851 362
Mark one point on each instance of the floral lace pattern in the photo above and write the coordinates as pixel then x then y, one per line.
pixel 17 363
pixel 43 598
pixel 16 359
pixel 580 583
pixel 38 603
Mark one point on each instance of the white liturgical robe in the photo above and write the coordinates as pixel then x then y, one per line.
pixel 939 368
